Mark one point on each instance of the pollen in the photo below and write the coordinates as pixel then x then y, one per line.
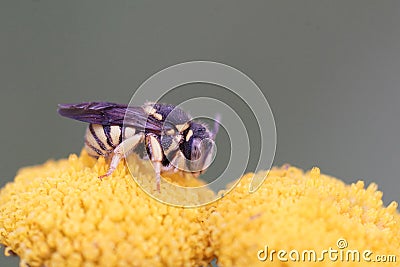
pixel 295 211
pixel 61 214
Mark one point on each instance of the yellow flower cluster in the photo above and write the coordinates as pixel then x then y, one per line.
pixel 60 214
pixel 298 213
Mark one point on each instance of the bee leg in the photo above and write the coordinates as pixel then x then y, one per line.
pixel 113 165
pixel 123 149
pixel 169 169
pixel 156 155
pixel 196 174
pixel 157 167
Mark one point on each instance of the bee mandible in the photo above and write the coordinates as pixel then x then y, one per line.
pixel 163 133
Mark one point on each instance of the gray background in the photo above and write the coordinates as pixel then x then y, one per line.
pixel 329 69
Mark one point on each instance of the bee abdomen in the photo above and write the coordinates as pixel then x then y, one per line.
pixel 101 140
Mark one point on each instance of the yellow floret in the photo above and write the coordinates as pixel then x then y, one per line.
pixel 61 214
pixel 300 211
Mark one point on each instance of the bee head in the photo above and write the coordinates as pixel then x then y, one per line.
pixel 197 147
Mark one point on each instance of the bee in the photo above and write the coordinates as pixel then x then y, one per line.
pixel 160 132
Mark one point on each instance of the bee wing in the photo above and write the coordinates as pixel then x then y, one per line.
pixel 106 113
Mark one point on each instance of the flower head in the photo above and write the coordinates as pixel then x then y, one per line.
pixel 297 211
pixel 60 214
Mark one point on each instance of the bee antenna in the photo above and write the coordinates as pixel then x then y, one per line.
pixel 216 126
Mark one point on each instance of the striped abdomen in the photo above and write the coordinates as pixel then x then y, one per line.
pixel 101 140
